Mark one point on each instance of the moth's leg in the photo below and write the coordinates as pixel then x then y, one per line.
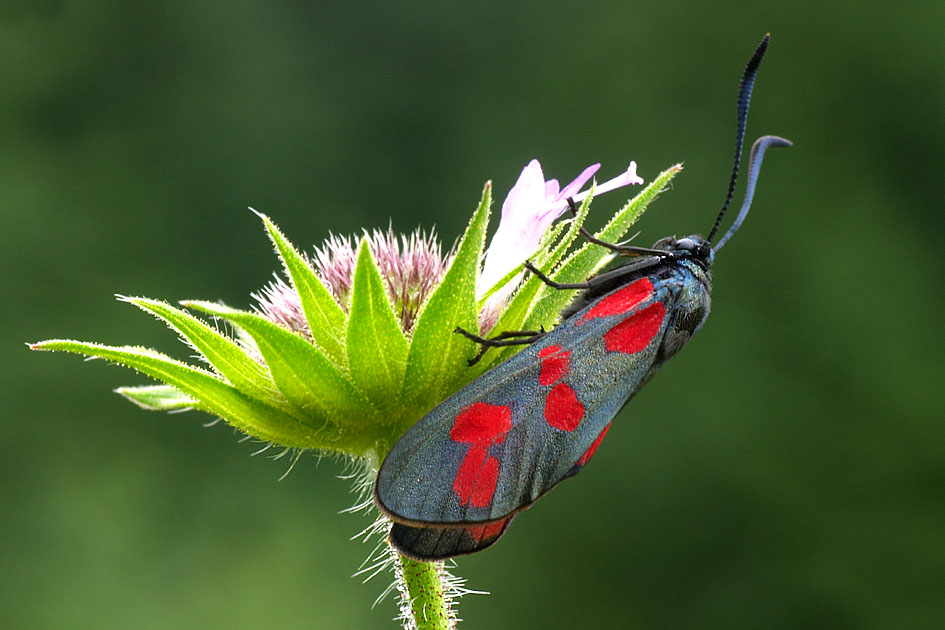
pixel 508 338
pixel 619 248
pixel 551 283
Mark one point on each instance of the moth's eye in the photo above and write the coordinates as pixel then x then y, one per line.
pixel 686 243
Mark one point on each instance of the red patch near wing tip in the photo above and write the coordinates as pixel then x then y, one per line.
pixel 589 453
pixel 555 364
pixel 620 301
pixel 563 410
pixel 637 331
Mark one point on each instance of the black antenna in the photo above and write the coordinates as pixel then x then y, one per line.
pixel 744 97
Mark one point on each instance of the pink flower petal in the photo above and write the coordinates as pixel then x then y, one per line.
pixel 529 209
pixel 527 192
pixel 627 178
pixel 572 189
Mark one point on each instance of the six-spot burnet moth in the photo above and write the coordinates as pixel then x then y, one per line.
pixel 455 480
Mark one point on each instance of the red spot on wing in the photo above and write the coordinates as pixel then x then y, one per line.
pixel 586 457
pixel 555 364
pixel 563 410
pixel 494 528
pixel 480 425
pixel 620 301
pixel 489 530
pixel 635 332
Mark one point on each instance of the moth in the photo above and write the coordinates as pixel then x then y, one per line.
pixel 454 481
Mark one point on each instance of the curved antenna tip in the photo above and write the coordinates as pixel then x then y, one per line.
pixel 758 149
pixel 767 141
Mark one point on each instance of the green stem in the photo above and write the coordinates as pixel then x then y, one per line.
pixel 428 603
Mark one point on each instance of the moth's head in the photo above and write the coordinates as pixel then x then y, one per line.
pixel 695 246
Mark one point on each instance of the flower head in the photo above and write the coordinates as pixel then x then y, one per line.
pixel 357 342
pixel 411 266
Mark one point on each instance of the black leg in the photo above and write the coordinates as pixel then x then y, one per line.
pixel 626 250
pixel 590 237
pixel 508 338
pixel 551 283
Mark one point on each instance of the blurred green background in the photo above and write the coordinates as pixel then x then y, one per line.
pixel 786 471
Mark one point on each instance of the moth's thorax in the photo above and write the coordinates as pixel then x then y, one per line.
pixel 690 308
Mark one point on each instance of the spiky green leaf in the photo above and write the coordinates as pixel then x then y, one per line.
pixel 158 397
pixel 217 397
pixel 377 348
pixel 305 376
pixel 436 361
pixel 227 357
pixel 325 317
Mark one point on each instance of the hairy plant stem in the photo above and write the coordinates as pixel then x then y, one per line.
pixel 428 601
